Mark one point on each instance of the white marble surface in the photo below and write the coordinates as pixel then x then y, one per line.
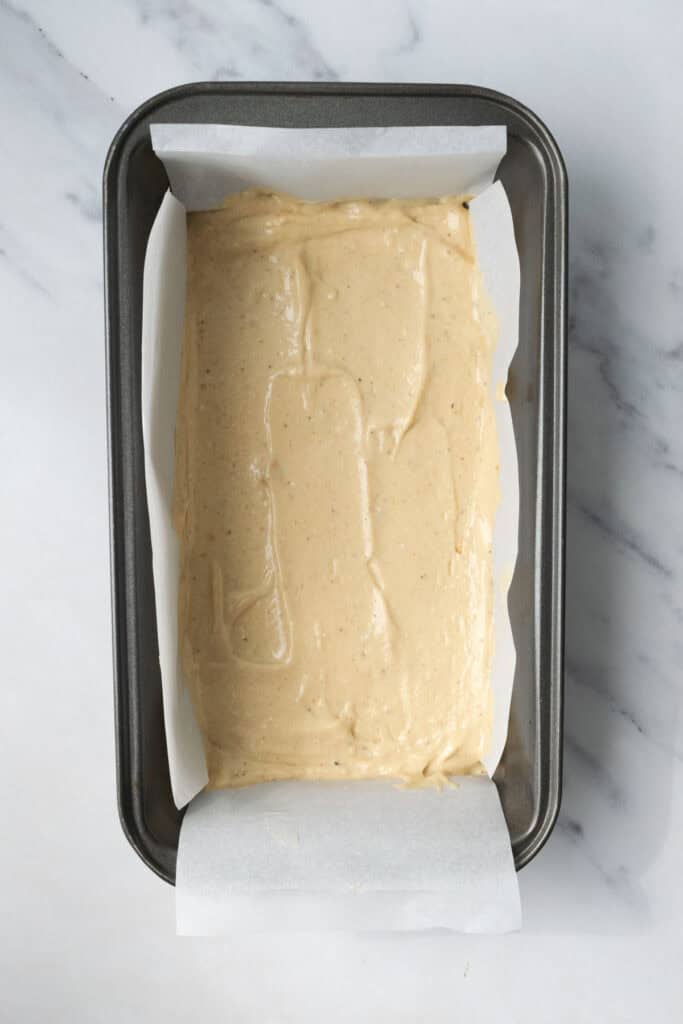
pixel 88 931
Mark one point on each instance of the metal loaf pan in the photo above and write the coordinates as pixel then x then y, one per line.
pixel 533 173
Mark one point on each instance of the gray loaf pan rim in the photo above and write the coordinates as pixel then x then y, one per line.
pixel 530 775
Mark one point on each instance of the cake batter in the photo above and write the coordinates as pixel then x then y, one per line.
pixel 336 484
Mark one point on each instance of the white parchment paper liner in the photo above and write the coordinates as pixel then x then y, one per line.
pixel 328 855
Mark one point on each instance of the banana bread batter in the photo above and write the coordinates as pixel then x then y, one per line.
pixel 336 484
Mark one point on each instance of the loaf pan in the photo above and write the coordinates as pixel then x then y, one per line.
pixel 534 176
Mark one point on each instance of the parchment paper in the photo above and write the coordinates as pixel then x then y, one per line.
pixel 328 855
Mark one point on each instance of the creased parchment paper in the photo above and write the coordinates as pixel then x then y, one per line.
pixel 354 855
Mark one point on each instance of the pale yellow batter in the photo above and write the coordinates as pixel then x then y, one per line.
pixel 336 482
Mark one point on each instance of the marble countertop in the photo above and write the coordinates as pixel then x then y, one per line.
pixel 89 931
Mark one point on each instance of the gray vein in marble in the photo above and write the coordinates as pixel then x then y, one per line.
pixel 612 357
pixel 596 301
pixel 574 828
pixel 22 15
pixel 605 366
pixel 646 238
pixel 587 677
pixel 640 375
pixel 321 70
pixel 88 205
pixel 675 283
pixel 30 22
pixel 618 880
pixel 412 40
pixel 224 72
pixel 621 534
pixel 593 764
pixel 278 40
pixel 15 265
pixel 617 367
pixel 71 121
pixel 24 275
pixel 671 467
